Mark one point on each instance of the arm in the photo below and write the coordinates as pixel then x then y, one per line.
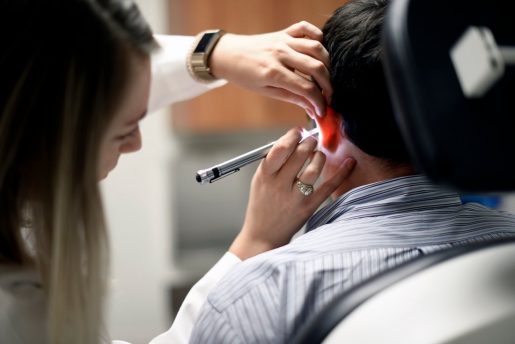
pixel 183 325
pixel 171 81
pixel 266 63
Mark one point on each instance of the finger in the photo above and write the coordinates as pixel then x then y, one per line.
pixel 305 29
pixel 312 67
pixel 291 169
pixel 298 85
pixel 280 152
pixel 311 113
pixel 310 47
pixel 316 50
pixel 313 170
pixel 330 185
pixel 287 96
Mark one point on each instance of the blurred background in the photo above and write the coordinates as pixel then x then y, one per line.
pixel 166 230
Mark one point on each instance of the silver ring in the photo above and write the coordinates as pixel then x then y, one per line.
pixel 304 189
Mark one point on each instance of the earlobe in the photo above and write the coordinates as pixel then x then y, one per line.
pixel 330 130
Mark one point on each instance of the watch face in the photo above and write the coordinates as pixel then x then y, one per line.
pixel 204 41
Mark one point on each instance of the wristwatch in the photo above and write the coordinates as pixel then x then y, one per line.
pixel 198 58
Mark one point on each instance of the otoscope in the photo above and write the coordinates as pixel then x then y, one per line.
pixel 224 169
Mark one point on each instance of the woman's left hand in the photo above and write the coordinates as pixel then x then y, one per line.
pixel 269 64
pixel 277 209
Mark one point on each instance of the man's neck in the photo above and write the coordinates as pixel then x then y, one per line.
pixel 369 171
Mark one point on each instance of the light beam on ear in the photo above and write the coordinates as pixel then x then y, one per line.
pixel 329 128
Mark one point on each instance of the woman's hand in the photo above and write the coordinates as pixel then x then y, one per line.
pixel 277 209
pixel 269 64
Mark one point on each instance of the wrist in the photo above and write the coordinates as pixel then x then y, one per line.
pixel 220 61
pixel 199 57
pixel 245 247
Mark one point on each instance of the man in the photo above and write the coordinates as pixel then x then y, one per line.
pixel 383 213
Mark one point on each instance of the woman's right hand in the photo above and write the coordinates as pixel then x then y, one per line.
pixel 268 64
pixel 277 209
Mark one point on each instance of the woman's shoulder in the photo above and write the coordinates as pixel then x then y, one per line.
pixel 22 305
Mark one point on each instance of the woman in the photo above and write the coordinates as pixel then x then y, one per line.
pixel 75 80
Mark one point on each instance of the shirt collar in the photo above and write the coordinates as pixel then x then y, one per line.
pixel 384 197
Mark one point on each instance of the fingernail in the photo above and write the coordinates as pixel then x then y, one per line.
pixel 310 113
pixel 328 97
pixel 320 112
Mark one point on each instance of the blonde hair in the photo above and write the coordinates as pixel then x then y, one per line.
pixel 63 75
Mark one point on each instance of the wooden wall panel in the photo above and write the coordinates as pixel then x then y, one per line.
pixel 231 108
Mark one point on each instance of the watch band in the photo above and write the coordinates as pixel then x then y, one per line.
pixel 198 57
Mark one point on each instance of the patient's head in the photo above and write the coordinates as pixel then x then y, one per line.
pixel 352 37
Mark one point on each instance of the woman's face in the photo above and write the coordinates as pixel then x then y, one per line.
pixel 123 135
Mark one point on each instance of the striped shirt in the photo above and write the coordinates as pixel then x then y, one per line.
pixel 371 228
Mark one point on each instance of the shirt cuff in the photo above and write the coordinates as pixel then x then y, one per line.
pixel 181 329
pixel 171 82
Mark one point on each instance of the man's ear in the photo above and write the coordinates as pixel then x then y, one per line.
pixel 330 129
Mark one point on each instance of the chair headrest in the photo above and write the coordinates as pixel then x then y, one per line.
pixel 466 143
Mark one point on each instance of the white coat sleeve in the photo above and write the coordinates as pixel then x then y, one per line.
pixel 182 327
pixel 171 81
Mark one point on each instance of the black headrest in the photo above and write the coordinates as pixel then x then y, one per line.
pixel 466 143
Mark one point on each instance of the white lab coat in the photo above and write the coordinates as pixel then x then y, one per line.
pixel 22 301
pixel 171 81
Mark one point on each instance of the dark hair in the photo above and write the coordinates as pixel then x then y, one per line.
pixel 352 37
pixel 64 68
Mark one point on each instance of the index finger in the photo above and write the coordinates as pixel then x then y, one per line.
pixel 313 68
pixel 310 47
pixel 304 29
pixel 281 151
pixel 300 85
